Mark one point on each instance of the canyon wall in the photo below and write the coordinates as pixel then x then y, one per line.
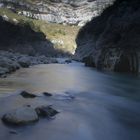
pixel 111 40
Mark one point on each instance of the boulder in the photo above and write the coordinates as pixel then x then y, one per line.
pixel 24 62
pixel 13 132
pixel 47 94
pixel 46 111
pixel 26 94
pixel 20 116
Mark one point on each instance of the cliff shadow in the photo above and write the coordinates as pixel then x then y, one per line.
pixel 22 38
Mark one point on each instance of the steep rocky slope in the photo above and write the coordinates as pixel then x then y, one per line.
pixel 73 12
pixel 22 38
pixel 62 37
pixel 111 40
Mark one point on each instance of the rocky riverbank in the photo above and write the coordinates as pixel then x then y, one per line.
pixel 10 62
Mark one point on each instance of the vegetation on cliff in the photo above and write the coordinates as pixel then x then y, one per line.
pixel 62 37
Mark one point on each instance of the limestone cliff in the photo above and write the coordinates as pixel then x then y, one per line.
pixel 111 40
pixel 73 12
pixel 46 14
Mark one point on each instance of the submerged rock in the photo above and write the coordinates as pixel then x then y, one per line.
pixel 21 116
pixel 25 94
pixel 47 94
pixel 46 111
pixel 13 132
pixel 64 96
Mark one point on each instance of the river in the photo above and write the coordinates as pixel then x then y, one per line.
pixel 106 105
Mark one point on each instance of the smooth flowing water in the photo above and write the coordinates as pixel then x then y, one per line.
pixel 106 105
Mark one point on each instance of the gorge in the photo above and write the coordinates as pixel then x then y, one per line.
pixel 108 46
pixel 46 92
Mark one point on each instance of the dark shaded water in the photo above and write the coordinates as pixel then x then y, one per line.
pixel 106 105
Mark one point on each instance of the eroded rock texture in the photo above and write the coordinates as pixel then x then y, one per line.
pixel 73 12
pixel 111 40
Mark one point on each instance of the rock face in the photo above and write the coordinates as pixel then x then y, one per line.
pixel 111 40
pixel 20 116
pixel 73 12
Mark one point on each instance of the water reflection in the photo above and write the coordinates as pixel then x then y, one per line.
pixel 59 77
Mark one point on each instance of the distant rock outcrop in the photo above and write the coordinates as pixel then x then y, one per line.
pixel 111 40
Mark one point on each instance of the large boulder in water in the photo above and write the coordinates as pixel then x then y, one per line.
pixel 47 94
pixel 46 111
pixel 21 116
pixel 26 94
